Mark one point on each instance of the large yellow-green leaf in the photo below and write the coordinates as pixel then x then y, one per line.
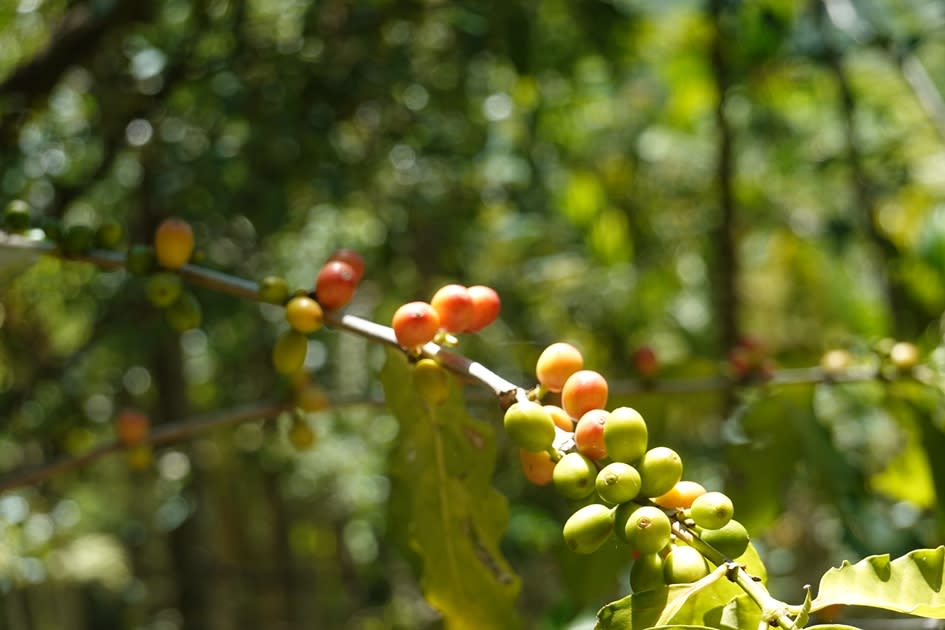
pixel 449 515
pixel 911 584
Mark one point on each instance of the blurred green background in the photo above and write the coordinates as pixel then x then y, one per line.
pixel 625 173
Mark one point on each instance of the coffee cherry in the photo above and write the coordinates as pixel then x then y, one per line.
pixel 555 364
pixel 712 510
pixel 835 362
pixel 173 243
pixel 618 483
pixel 352 258
pixel 574 476
pixel 335 284
pixel 684 565
pixel 274 290
pixel 132 427
pixel 622 514
pixel 644 362
pixel 140 457
pixel 16 217
pixel 588 528
pixel 311 397
pixel 731 540
pixel 415 323
pixel 77 239
pixel 648 529
pixel 584 390
pixel 431 381
pixel 625 435
pixel 454 306
pixel 537 467
pixel 646 574
pixel 529 426
pixel 288 355
pixel 589 433
pixel 109 235
pixel 140 260
pixel 562 420
pixel 680 496
pixel 184 313
pixel 904 355
pixel 486 307
pixel 52 228
pixel 660 469
pixel 163 289
pixel 303 314
pixel 301 435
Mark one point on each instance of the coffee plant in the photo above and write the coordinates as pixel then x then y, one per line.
pixel 694 566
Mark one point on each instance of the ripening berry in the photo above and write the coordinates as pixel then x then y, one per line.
pixel 584 390
pixel 273 290
pixel 588 528
pixel 301 435
pixel 574 476
pixel 132 427
pixel 454 306
pixel 618 483
pixel 660 469
pixel 644 362
pixel 335 284
pixel 648 529
pixel 647 573
pixel 684 565
pixel 589 433
pixel 538 468
pixel 109 235
pixel 415 323
pixel 904 355
pixel 529 426
pixel 432 381
pixel 712 510
pixel 184 313
pixel 486 307
pixel 352 258
pixel 625 435
pixel 163 289
pixel 731 540
pixel 288 355
pixel 140 260
pixel 173 243
pixel 303 314
pixel 562 420
pixel 311 397
pixel 680 496
pixel 555 364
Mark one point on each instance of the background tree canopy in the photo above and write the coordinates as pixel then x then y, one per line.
pixel 625 173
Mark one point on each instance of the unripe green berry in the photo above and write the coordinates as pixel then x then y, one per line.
pixel 622 514
pixel 77 240
pixel 731 540
pixel 274 290
pixel 432 381
pixel 647 573
pixel 140 259
pixel 618 483
pixel 529 425
pixel 288 355
pixel 163 289
pixel 588 528
pixel 52 228
pixel 574 476
pixel 185 313
pixel 648 529
pixel 108 235
pixel 712 510
pixel 625 435
pixel 660 469
pixel 684 565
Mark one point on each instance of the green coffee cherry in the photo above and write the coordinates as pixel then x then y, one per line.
pixel 432 381
pixel 77 240
pixel 163 289
pixel 618 482
pixel 288 355
pixel 530 426
pixel 731 540
pixel 588 528
pixel 648 529
pixel 140 260
pixel 574 476
pixel 274 290
pixel 712 510
pixel 16 217
pixel 625 435
pixel 659 469
pixel 184 313
pixel 647 573
pixel 622 514
pixel 109 235
pixel 52 228
pixel 684 565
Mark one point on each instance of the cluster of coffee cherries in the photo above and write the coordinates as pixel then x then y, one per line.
pixel 453 309
pixel 629 489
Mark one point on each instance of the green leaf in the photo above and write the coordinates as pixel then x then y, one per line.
pixel 833 626
pixel 454 519
pixel 804 615
pixel 753 564
pixel 911 584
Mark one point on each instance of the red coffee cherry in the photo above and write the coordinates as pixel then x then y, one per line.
pixel 589 434
pixel 454 306
pixel 415 323
pixel 335 284
pixel 583 391
pixel 486 307
pixel 353 259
